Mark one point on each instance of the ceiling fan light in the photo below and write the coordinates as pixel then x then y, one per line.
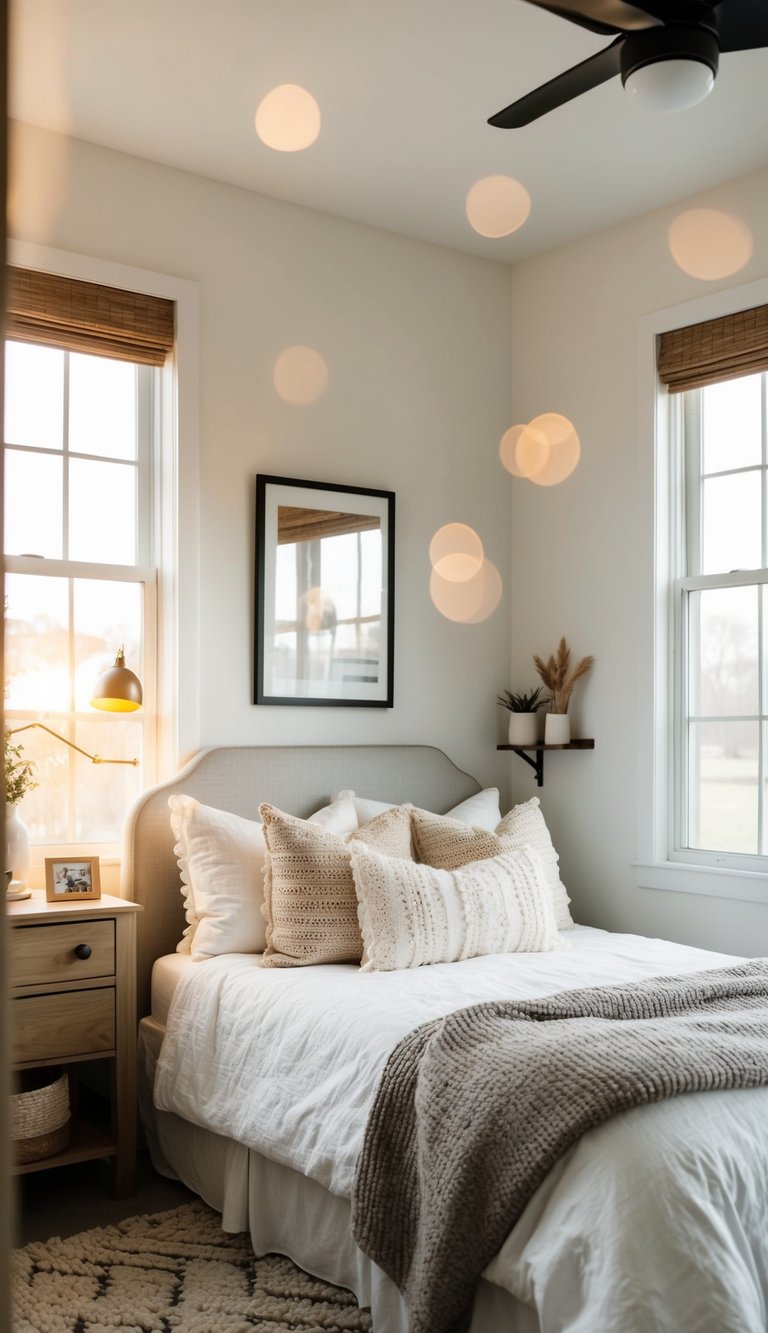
pixel 670 85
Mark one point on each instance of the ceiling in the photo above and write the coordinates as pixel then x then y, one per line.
pixel 404 87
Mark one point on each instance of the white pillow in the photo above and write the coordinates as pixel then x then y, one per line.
pixel 339 817
pixel 482 810
pixel 221 858
pixel 412 914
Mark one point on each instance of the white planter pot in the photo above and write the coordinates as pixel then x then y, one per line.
pixel 523 728
pixel 16 847
pixel 557 729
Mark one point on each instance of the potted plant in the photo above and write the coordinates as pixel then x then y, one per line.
pixel 19 779
pixel 523 722
pixel 559 676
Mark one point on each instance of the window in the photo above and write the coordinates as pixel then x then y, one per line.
pixel 720 730
pixel 79 580
pixel 82 389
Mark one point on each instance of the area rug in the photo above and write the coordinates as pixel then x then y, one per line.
pixel 171 1271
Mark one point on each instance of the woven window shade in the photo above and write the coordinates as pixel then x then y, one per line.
pixel 719 349
pixel 86 317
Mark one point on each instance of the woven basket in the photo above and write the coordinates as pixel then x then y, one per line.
pixel 40 1115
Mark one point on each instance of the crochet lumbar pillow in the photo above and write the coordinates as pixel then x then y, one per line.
pixel 414 914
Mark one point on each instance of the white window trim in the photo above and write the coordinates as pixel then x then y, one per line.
pixel 653 867
pixel 176 496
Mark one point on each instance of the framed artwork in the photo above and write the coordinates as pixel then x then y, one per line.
pixel 72 879
pixel 325 594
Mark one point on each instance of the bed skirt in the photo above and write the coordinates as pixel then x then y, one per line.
pixel 288 1213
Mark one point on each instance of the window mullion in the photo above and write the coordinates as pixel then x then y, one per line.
pixel 145 410
pixel 71 731
pixel 65 461
pixel 687 609
pixel 761 682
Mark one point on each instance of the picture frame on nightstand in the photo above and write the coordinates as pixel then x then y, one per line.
pixel 72 879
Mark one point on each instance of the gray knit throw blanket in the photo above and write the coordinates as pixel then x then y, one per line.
pixel 473 1109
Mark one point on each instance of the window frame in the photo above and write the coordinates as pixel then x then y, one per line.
pixel 685 447
pixel 658 865
pixel 177 493
pixel 142 571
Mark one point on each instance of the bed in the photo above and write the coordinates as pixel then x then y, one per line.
pixel 657 1219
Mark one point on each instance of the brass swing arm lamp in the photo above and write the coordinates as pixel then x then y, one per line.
pixel 94 758
pixel 117 690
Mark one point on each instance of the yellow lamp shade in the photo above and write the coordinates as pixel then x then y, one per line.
pixel 117 690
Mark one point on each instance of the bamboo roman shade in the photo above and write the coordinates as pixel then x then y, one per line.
pixel 86 317
pixel 718 349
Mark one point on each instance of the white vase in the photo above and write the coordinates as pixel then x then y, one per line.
pixel 557 729
pixel 16 848
pixel 523 728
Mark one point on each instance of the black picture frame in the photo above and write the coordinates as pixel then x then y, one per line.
pixel 307 669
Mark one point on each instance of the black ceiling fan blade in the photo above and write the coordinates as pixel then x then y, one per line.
pixel 606 17
pixel 742 25
pixel 571 83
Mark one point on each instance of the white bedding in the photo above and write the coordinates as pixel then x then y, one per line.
pixel 166 974
pixel 656 1220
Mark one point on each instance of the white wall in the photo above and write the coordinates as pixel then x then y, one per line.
pixel 417 342
pixel 582 551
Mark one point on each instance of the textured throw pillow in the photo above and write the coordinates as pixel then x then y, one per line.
pixel 221 858
pixel 448 844
pixel 413 914
pixel 309 893
pixel 482 809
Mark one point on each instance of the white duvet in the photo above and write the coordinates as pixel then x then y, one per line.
pixel 657 1220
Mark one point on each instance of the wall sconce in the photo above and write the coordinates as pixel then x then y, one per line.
pixel 117 690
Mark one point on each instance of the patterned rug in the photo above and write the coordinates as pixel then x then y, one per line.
pixel 169 1272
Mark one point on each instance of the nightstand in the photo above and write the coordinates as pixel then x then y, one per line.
pixel 73 998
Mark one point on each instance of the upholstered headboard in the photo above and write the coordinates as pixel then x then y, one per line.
pixel 298 779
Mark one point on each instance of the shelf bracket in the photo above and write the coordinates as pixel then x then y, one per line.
pixel 534 754
pixel 537 763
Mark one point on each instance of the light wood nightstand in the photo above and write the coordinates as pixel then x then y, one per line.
pixel 73 998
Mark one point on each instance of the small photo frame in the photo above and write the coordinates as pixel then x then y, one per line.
pixel 72 879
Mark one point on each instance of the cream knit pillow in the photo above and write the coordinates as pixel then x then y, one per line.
pixel 413 914
pixel 448 844
pixel 310 903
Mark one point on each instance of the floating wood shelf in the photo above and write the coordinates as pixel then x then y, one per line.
pixel 537 751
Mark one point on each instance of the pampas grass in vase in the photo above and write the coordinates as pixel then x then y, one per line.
pixel 559 677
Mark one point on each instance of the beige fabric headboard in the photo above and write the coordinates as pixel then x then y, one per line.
pixel 238 778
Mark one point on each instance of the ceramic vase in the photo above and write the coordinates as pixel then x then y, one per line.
pixel 16 848
pixel 523 728
pixel 557 729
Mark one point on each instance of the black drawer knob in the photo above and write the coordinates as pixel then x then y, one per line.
pixel 83 951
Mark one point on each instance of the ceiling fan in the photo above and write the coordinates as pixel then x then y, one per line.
pixel 666 51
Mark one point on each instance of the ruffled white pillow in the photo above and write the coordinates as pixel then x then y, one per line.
pixel 412 914
pixel 221 858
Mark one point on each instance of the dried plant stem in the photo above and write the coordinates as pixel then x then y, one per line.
pixel 559 677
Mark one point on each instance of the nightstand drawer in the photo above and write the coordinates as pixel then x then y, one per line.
pixel 40 954
pixel 47 1028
